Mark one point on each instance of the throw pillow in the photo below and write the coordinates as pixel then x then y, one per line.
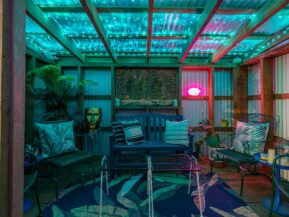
pixel 118 133
pixel 177 132
pixel 250 138
pixel 133 132
pixel 56 138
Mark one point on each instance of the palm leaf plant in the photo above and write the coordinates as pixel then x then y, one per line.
pixel 59 91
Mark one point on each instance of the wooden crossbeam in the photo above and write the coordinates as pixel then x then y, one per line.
pixel 265 13
pixel 143 9
pixel 274 40
pixel 149 33
pixel 98 26
pixel 209 11
pixel 35 13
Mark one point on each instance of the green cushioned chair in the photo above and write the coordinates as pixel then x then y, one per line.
pixel 56 160
pixel 245 161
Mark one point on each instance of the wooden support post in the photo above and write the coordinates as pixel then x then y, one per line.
pixel 266 68
pixel 12 107
pixel 240 93
pixel 180 91
pixel 211 97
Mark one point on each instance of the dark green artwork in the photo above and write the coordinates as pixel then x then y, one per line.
pixel 146 84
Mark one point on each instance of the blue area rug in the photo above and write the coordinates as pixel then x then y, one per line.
pixel 128 197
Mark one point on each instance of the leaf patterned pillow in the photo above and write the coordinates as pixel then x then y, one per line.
pixel 56 138
pixel 250 138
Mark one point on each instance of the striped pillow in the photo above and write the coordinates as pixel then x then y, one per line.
pixel 177 132
pixel 118 133
pixel 250 138
pixel 133 132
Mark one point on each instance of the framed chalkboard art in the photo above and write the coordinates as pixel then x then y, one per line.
pixel 146 86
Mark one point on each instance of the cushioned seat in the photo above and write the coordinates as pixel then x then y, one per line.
pixel 68 159
pixel 150 146
pixel 153 127
pixel 56 143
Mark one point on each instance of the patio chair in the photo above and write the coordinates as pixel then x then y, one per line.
pixel 56 143
pixel 279 185
pixel 252 135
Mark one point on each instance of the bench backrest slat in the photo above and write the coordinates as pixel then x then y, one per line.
pixel 153 124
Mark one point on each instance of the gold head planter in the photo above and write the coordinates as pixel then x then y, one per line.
pixel 92 119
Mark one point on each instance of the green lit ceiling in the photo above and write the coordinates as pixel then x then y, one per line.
pixel 147 29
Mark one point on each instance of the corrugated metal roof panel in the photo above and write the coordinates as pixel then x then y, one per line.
pixel 255 4
pixel 125 23
pixel 206 46
pixel 167 46
pixel 181 3
pixel 222 24
pixel 55 3
pixel 73 23
pixel 120 3
pixel 247 45
pixel 273 25
pixel 129 45
pixel 174 23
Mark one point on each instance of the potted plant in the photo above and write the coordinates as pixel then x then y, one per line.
pixel 58 92
pixel 212 140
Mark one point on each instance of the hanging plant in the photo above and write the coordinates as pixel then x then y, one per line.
pixel 58 92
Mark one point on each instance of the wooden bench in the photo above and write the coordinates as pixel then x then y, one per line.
pixel 153 126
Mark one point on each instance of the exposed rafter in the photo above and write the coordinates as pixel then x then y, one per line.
pixel 272 41
pixel 41 19
pixel 276 47
pixel 150 24
pixel 143 9
pixel 96 22
pixel 265 13
pixel 205 18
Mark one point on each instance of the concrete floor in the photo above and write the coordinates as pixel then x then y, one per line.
pixel 255 187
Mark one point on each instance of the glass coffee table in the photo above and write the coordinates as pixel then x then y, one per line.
pixel 168 163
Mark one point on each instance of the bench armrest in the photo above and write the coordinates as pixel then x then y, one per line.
pixel 191 143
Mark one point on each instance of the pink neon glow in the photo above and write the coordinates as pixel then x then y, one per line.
pixel 194 91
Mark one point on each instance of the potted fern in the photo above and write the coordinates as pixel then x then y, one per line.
pixel 59 90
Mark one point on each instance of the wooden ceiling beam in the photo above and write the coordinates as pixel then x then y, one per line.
pixel 265 13
pixel 35 13
pixel 150 26
pixel 276 51
pixel 209 11
pixel 143 9
pixel 98 26
pixel 274 41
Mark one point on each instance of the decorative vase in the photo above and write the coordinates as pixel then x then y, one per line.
pixel 93 119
